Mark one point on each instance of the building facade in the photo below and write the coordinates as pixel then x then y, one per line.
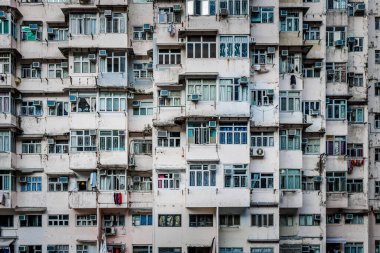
pixel 192 126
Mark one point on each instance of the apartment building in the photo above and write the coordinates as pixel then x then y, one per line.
pixel 189 126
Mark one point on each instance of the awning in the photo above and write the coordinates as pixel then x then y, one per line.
pixel 5 242
pixel 30 209
pixel 186 32
pixel 339 240
pixel 209 75
pixel 170 167
pixel 86 241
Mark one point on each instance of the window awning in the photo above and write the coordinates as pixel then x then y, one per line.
pixel 6 242
pixel 184 33
pixel 339 240
pixel 30 209
pixel 170 167
pixel 197 75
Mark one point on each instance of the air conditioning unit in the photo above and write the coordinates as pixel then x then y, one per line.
pixel 271 50
pixel 318 64
pixel 360 7
pixel 37 102
pixel 50 30
pixel 102 53
pixel 147 27
pixel 136 179
pixel 63 179
pixel 338 216
pixel 23 180
pixel 162 134
pixel 223 12
pixel 270 92
pixel 195 97
pixel 164 93
pixel 177 176
pixel 22 217
pixel 314 113
pixel 110 231
pixel 3 15
pixel 284 52
pixel 212 123
pixel 339 43
pixel 177 8
pixel 22 248
pixel 136 222
pixel 108 13
pixel 317 217
pixel 92 132
pixel 51 103
pixel 73 98
pixel 351 40
pixel 64 64
pixel 257 152
pixel 92 57
pixel 283 13
pixel 33 27
pixel 50 141
pixel 36 65
pixel 136 103
pixel 349 216
pixel 305 26
pixel 292 132
pixel 317 179
pixel 330 72
pixel 243 80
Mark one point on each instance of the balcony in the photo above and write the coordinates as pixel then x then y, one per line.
pixel 42 49
pixel 8 200
pixel 107 40
pixel 166 115
pixel 113 79
pixel 30 162
pixel 264 197
pixel 141 200
pixel 8 161
pixel 83 161
pixel 291 3
pixel 117 158
pixel 336 200
pixel 291 38
pixel 217 197
pixel 44 84
pixel 9 120
pixel 291 198
pixel 7 41
pixel 295 118
pixel 9 81
pixel 82 200
pixel 106 200
pixel 222 109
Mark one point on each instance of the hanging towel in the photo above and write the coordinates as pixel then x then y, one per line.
pixel 120 198
pixel 93 179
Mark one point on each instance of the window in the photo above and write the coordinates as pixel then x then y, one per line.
pixel 5 141
pixel 233 46
pixel 83 102
pixel 290 179
pixel 200 220
pixel 201 133
pixel 169 56
pixel 5 105
pixel 334 218
pixel 59 147
pixel 377 89
pixel 354 185
pixel 83 64
pixel 231 250
pixel 290 101
pixel 377 121
pixel 311 146
pixel 262 220
pixel 169 181
pixel 7 181
pixel 262 180
pixel 58 249
pixel 28 34
pixel 356 46
pixel 377 245
pixel 286 220
pixel 261 56
pixel 262 250
pixel 58 33
pixel 290 64
pixel 355 218
pixel 290 139
pixel 310 71
pixel 83 24
pixel 263 15
pixel 30 220
pixel 201 47
pixel 56 71
pixel 235 7
pixel 311 33
pixel 113 63
pixel 7 63
pixel 58 108
pixel 310 219
pixel 377 154
pixel 112 101
pixel 229 220
pixel 112 140
pixel 290 23
pixel 356 115
pixel 201 7
pixel 336 181
pixel 172 99
pixel 169 220
pixel 140 34
pixel 83 248
pixel 336 109
pixel 377 26
pixel 145 108
pixel 33 184
pixel 113 180
pixel 232 90
pixel 206 89
pixel 58 220
pixel 377 187
pixel 334 34
pixel 336 72
pixel 353 247
pixel 113 220
pixel 235 175
pixel 261 97
pixel 202 175
pixel 6 221
pixel 336 145
pixel 28 71
pixel 142 147
pixel 336 4
pixel 172 139
pixel 355 80
pixel 83 140
pixel 168 16
pixel 116 23
pixel 262 139
pixel 233 133
pixel 142 220
pixel 31 108
pixel 86 220
pixel 58 184
pixel 143 249
pixel 310 184
pixel 377 56
pixel 4 24
pixel 142 184
pixel 31 147
pixel 32 248
pixel 142 71
pixel 355 150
